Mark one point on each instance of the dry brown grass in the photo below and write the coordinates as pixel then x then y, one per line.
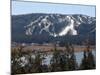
pixel 46 48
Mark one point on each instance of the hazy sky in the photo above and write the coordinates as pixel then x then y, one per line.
pixel 33 7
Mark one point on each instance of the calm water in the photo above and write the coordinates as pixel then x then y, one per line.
pixel 79 56
pixel 24 60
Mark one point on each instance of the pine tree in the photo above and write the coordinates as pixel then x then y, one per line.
pixel 91 60
pixel 55 60
pixel 37 65
pixel 64 60
pixel 71 59
pixel 15 55
pixel 88 61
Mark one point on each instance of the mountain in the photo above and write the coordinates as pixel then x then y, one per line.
pixel 41 28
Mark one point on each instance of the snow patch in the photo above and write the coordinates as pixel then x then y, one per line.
pixel 68 28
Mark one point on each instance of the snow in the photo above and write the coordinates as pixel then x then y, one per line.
pixel 29 32
pixel 39 24
pixel 46 24
pixel 68 27
pixel 31 26
pixel 45 21
pixel 23 61
pixel 53 34
pixel 80 18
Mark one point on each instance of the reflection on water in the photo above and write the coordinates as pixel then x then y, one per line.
pixel 24 60
pixel 79 56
